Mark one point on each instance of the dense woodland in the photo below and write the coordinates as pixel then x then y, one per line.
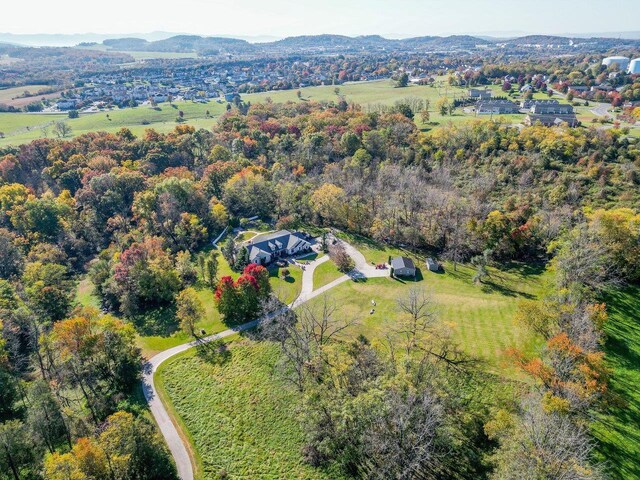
pixel 136 213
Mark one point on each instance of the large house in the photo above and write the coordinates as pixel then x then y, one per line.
pixel 527 104
pixel 480 94
pixel 551 120
pixel 496 107
pixel 552 109
pixel 267 248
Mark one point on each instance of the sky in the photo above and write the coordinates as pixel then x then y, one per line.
pixel 281 18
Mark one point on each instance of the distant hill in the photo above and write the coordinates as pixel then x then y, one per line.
pixel 337 44
pixel 342 42
pixel 593 43
pixel 183 44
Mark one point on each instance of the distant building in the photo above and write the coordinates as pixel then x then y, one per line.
pixel 403 267
pixel 551 120
pixel 527 104
pixel 551 109
pixel 497 107
pixel 67 104
pixel 579 88
pixel 622 62
pixel 634 66
pixel 480 94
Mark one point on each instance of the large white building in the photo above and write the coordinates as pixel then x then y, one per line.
pixel 634 66
pixel 622 62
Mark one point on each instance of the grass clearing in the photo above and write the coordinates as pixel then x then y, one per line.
pixel 480 315
pixel 617 429
pixel 325 273
pixel 287 289
pixel 240 416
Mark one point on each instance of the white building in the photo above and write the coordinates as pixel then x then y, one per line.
pixel 622 62
pixel 634 66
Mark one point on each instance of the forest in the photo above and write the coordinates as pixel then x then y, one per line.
pixel 137 216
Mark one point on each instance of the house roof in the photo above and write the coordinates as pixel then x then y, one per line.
pixel 273 242
pixel 402 262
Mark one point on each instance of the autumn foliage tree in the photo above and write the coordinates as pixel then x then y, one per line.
pixel 239 301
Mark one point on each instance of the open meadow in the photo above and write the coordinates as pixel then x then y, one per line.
pixel 239 414
pixel 20 127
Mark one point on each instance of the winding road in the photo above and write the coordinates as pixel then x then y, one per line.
pixel 168 429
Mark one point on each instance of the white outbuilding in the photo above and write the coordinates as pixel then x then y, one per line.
pixel 634 66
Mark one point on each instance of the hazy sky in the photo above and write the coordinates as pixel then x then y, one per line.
pixel 396 18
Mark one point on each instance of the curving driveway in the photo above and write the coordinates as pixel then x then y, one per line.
pixel 169 431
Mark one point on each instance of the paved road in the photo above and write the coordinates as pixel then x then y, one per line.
pixel 167 428
pixel 601 109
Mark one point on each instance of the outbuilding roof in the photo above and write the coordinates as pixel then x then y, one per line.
pixel 402 262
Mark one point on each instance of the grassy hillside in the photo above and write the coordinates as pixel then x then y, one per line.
pixel 240 417
pixel 617 429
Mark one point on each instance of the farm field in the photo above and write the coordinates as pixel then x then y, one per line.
pixel 240 416
pixel 8 96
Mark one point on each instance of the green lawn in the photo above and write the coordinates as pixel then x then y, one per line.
pixel 287 289
pixel 325 273
pixel 480 315
pixel 617 429
pixel 240 416
pixel 20 127
pixel 85 296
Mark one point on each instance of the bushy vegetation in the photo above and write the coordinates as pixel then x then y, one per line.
pixel 139 214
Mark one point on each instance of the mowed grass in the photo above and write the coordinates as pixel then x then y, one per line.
pixel 20 128
pixel 325 273
pixel 240 415
pixel 481 316
pixel 617 429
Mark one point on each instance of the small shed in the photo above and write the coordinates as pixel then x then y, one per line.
pixel 433 265
pixel 403 267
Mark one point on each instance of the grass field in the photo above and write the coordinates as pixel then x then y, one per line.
pixel 481 315
pixel 240 416
pixel 325 273
pixel 617 429
pixel 163 119
pixel 20 128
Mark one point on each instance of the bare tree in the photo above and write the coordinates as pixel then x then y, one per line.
pixel 341 258
pixel 302 334
pixel 61 129
pixel 418 319
pixel 403 440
